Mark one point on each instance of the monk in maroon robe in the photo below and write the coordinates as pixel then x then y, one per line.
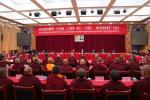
pixel 72 61
pixel 36 66
pixel 28 79
pixel 99 66
pixel 65 67
pixel 117 65
pixel 82 64
pixel 4 80
pixel 81 82
pixel 108 61
pixel 17 68
pixel 55 81
pixel 142 85
pixel 113 84
pixel 58 60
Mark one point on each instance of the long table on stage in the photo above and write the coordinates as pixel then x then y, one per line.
pixel 89 56
pixel 96 83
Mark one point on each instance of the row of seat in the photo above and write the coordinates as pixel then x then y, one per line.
pixel 28 93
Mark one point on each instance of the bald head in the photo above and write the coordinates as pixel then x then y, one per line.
pixel 114 75
pixel 146 70
pixel 82 62
pixel 81 73
pixel 28 71
pixel 50 60
pixel 65 61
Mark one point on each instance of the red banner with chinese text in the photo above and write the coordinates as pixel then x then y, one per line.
pixel 85 29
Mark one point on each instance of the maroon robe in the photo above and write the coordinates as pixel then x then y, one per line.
pixel 36 67
pixel 72 61
pixel 31 80
pixel 83 66
pixel 139 87
pixel 18 67
pixel 58 61
pixel 7 82
pixel 55 82
pixel 82 84
pixel 66 68
pixel 112 85
pixel 133 66
pixel 117 66
pixel 108 62
pixel 99 67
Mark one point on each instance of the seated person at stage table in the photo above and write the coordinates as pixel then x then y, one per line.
pixel 81 82
pixel 49 66
pixel 117 65
pixel 56 81
pixel 113 84
pixel 82 64
pixel 35 65
pixel 58 60
pixel 142 85
pixel 17 68
pixel 4 80
pixel 99 66
pixel 72 61
pixel 28 79
pixel 65 67
pixel 108 61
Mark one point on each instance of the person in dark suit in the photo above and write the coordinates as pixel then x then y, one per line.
pixel 142 85
pixel 65 67
pixel 4 80
pixel 113 84
pixel 72 61
pixel 28 79
pixel 58 60
pixel 81 82
pixel 56 81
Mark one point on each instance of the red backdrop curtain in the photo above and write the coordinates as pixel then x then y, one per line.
pixel 91 42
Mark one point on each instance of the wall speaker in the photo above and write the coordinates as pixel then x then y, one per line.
pixel 23 39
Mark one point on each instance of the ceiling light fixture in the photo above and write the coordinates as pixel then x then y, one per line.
pixel 124 10
pixel 30 14
pixel 92 11
pixel 59 12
